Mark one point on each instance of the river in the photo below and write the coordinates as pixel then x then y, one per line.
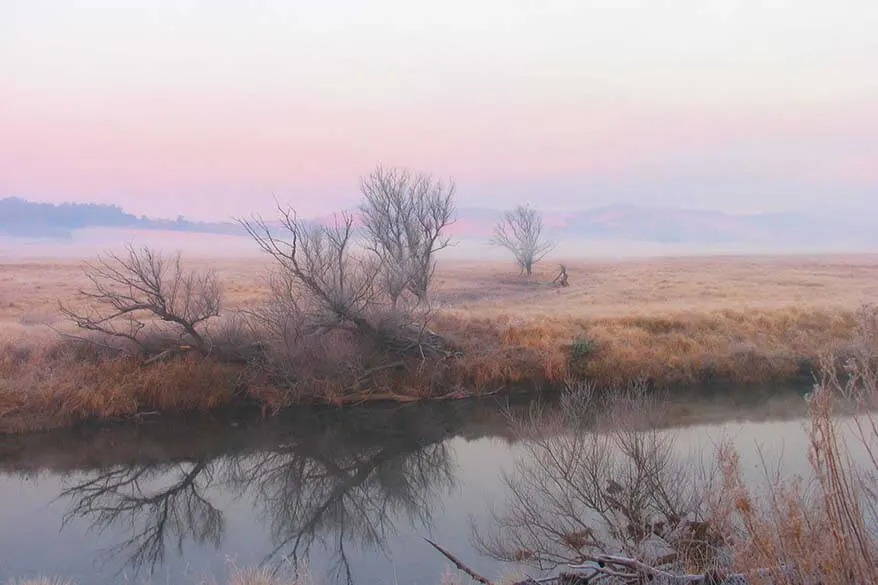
pixel 349 493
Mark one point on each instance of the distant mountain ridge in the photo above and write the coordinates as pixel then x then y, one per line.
pixel 22 218
pixel 666 225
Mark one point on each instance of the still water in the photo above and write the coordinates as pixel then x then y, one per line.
pixel 348 493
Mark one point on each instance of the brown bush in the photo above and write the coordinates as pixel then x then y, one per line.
pixel 817 530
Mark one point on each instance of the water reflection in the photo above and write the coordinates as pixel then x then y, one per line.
pixel 343 488
pixel 600 474
pixel 337 479
pixel 332 484
pixel 162 503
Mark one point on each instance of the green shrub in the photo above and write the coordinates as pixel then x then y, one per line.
pixel 581 349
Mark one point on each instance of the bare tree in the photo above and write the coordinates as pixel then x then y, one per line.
pixel 521 232
pixel 131 291
pixel 325 285
pixel 404 216
pixel 319 266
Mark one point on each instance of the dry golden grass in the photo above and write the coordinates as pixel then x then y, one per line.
pixel 673 320
pixel 684 347
pixel 30 290
pixel 46 386
pixel 819 531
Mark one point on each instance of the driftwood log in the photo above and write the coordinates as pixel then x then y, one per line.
pixel 561 279
pixel 622 570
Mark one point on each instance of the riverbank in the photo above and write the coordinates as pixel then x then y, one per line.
pixel 676 322
pixel 337 431
pixel 63 383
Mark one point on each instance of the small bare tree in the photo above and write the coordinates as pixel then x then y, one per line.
pixel 405 216
pixel 521 232
pixel 131 291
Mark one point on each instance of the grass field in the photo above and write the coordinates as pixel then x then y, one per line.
pixel 673 320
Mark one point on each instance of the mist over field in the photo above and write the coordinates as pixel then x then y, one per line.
pixel 29 230
pixel 90 242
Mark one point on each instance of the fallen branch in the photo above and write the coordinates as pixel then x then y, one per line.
pixel 459 564
pixel 166 354
pixel 461 394
pixel 140 415
pixel 368 373
pixel 476 577
pixel 634 571
pixel 619 569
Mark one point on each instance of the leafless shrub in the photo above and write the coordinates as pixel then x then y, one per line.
pixel 521 232
pixel 344 308
pixel 281 318
pixel 142 291
pixel 327 315
pixel 404 216
pixel 233 339
pixel 319 266
pixel 599 476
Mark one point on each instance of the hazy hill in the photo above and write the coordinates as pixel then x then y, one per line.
pixel 690 226
pixel 621 223
pixel 22 218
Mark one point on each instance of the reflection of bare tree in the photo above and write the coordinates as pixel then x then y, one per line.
pixel 598 476
pixel 158 501
pixel 325 488
pixel 340 481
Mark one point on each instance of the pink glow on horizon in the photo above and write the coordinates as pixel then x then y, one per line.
pixel 189 125
pixel 212 109
pixel 163 155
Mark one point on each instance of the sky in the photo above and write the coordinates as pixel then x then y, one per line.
pixel 213 109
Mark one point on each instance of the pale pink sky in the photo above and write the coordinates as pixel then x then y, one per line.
pixel 210 109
